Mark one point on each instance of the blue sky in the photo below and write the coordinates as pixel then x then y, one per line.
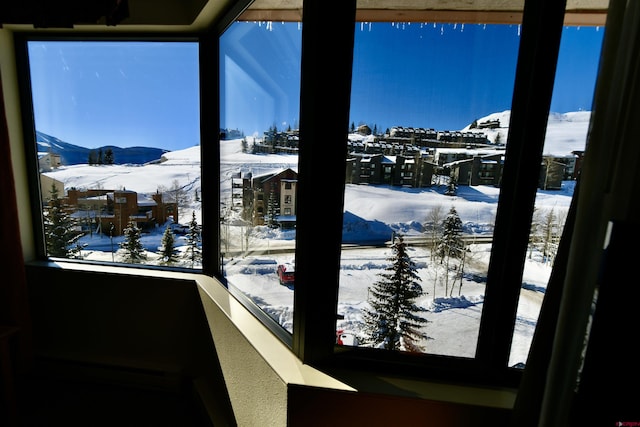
pixel 440 76
pixel 444 76
pixel 97 93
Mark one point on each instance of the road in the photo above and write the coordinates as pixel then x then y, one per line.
pixel 268 247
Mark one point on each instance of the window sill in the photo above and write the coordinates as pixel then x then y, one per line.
pixel 230 322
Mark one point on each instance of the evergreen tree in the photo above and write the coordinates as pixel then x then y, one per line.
pixel 392 322
pixel 193 252
pixel 451 247
pixel 132 250
pixel 108 156
pixel 451 243
pixel 167 249
pixel 60 229
pixel 273 209
pixel 92 158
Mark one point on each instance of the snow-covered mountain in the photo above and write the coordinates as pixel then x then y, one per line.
pixel 74 154
pixel 566 132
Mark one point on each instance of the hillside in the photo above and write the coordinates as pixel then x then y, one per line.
pixel 566 132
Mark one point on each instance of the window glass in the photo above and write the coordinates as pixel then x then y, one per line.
pixel 429 123
pixel 117 135
pixel 564 147
pixel 260 92
pixel 429 120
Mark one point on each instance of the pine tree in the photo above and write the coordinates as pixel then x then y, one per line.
pixel 132 250
pixel 452 186
pixel 167 249
pixel 451 246
pixel 108 156
pixel 193 252
pixel 451 243
pixel 273 210
pixel 60 229
pixel 392 322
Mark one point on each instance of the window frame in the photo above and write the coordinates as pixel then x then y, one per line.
pixel 21 41
pixel 326 79
pixel 315 302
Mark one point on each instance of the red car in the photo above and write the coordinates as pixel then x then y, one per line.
pixel 286 273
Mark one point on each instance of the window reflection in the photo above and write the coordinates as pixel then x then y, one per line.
pixel 564 148
pixel 260 91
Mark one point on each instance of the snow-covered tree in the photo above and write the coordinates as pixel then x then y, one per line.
pixel 132 251
pixel 60 229
pixel 451 243
pixel 451 246
pixel 168 250
pixel 193 253
pixel 273 210
pixel 393 322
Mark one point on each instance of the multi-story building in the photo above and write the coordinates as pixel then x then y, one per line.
pixel 112 210
pixel 277 189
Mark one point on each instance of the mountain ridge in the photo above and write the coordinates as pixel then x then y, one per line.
pixel 71 154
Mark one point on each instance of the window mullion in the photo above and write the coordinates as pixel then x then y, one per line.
pixel 210 153
pixel 324 123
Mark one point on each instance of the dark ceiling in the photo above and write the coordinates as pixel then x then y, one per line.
pixel 68 13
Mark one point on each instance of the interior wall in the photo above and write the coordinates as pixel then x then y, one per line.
pixel 123 320
pixel 257 391
pixel 14 125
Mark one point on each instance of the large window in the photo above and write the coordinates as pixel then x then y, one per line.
pixel 117 144
pixel 387 201
pixel 429 108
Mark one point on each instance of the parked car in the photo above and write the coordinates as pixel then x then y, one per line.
pixel 286 273
pixel 346 338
